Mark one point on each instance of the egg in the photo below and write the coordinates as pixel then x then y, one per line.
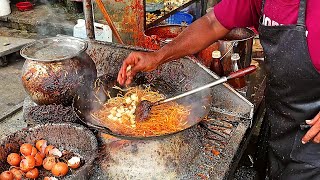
pixel 26 149
pixel 55 152
pixel 14 159
pixel 128 100
pixel 49 162
pixel 39 159
pixel 27 164
pixel 34 151
pixel 17 174
pixel 41 145
pixel 74 162
pixel 6 175
pixel 60 169
pixel 32 174
pixel 47 149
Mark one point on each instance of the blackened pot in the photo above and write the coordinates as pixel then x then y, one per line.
pixel 56 69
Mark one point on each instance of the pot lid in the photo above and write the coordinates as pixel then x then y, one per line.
pixel 54 49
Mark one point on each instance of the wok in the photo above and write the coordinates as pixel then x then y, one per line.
pixel 199 101
pixel 91 102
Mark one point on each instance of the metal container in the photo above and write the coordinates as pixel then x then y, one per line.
pixel 158 36
pixel 56 69
pixel 63 136
pixel 238 40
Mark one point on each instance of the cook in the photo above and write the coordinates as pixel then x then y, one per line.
pixel 290 35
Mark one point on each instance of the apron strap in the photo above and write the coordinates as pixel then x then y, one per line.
pixel 262 6
pixel 302 13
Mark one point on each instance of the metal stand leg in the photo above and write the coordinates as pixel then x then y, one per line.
pixel 3 61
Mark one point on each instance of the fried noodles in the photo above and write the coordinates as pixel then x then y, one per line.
pixel 118 114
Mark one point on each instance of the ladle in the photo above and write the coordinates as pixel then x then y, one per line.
pixel 144 107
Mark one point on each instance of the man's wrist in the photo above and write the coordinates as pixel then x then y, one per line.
pixel 159 57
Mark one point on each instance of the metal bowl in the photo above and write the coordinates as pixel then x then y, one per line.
pixel 67 136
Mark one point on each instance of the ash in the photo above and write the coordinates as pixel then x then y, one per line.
pixel 50 114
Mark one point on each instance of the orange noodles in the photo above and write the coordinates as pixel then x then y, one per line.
pixel 118 114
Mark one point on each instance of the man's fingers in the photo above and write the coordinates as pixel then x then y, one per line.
pixel 315 129
pixel 314 120
pixel 316 139
pixel 129 80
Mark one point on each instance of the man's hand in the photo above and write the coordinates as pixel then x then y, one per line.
pixel 199 35
pixel 137 62
pixel 313 133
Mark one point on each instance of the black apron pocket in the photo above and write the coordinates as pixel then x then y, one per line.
pixel 306 153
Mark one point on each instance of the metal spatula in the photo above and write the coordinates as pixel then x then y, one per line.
pixel 144 107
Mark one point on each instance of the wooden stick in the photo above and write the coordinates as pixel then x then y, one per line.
pixel 108 19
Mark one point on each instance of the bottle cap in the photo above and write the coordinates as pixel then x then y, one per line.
pixel 216 54
pixel 235 57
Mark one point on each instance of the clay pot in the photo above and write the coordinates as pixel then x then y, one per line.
pixel 57 69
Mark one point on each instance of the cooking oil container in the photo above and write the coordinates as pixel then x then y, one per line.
pixel 5 7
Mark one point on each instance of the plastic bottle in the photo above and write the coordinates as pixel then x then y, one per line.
pixel 236 83
pixel 102 31
pixel 216 65
pixel 5 7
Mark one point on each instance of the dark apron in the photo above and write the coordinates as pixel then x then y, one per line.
pixel 292 96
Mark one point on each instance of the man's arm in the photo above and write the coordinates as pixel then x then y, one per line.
pixel 196 37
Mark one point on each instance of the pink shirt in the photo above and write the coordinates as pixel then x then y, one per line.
pixel 246 13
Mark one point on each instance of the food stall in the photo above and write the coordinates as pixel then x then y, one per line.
pixel 208 149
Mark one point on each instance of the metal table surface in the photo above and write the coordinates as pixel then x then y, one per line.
pixel 222 165
pixel 10 45
pixel 210 163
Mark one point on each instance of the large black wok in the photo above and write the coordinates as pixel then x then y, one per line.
pixel 91 102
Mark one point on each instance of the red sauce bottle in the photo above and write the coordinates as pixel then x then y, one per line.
pixel 236 83
pixel 216 65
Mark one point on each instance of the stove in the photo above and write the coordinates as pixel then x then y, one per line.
pixel 205 151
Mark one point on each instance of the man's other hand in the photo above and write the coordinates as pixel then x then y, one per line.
pixel 313 133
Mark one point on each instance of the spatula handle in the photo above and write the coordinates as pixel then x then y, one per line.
pixel 242 72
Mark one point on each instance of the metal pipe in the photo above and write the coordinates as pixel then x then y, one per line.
pixel 108 19
pixel 88 15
